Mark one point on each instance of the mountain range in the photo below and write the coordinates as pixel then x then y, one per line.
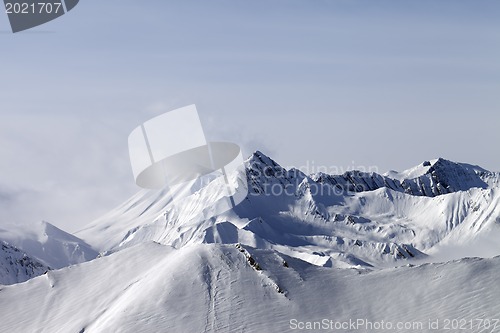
pixel 299 249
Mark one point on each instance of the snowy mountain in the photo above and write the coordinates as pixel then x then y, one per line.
pixel 431 178
pixel 215 288
pixel 16 266
pixel 48 244
pixel 299 251
pixel 351 220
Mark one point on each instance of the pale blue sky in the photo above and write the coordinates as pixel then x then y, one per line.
pixel 338 83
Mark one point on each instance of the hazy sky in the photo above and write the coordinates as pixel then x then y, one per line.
pixel 337 83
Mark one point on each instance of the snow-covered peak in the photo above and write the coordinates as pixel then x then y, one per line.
pixel 264 174
pixel 354 219
pixel 455 176
pixel 261 158
pixel 412 173
pixel 440 176
pixel 168 261
pixel 48 244
pixel 440 165
pixel 430 178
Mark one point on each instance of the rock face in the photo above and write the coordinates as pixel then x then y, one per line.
pixel 440 177
pixel 341 247
pixel 16 266
pixel 352 220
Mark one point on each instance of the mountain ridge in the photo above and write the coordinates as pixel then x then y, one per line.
pixel 48 244
pixel 16 266
pixel 305 247
pixel 351 220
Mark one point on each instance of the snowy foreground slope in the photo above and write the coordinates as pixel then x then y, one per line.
pixel 299 250
pixel 214 288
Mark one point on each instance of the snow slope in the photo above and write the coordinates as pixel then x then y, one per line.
pixel 218 288
pixel 299 250
pixel 351 220
pixel 48 244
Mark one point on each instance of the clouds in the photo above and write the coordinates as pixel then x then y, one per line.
pixel 6 196
pixel 16 205
pixel 61 169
